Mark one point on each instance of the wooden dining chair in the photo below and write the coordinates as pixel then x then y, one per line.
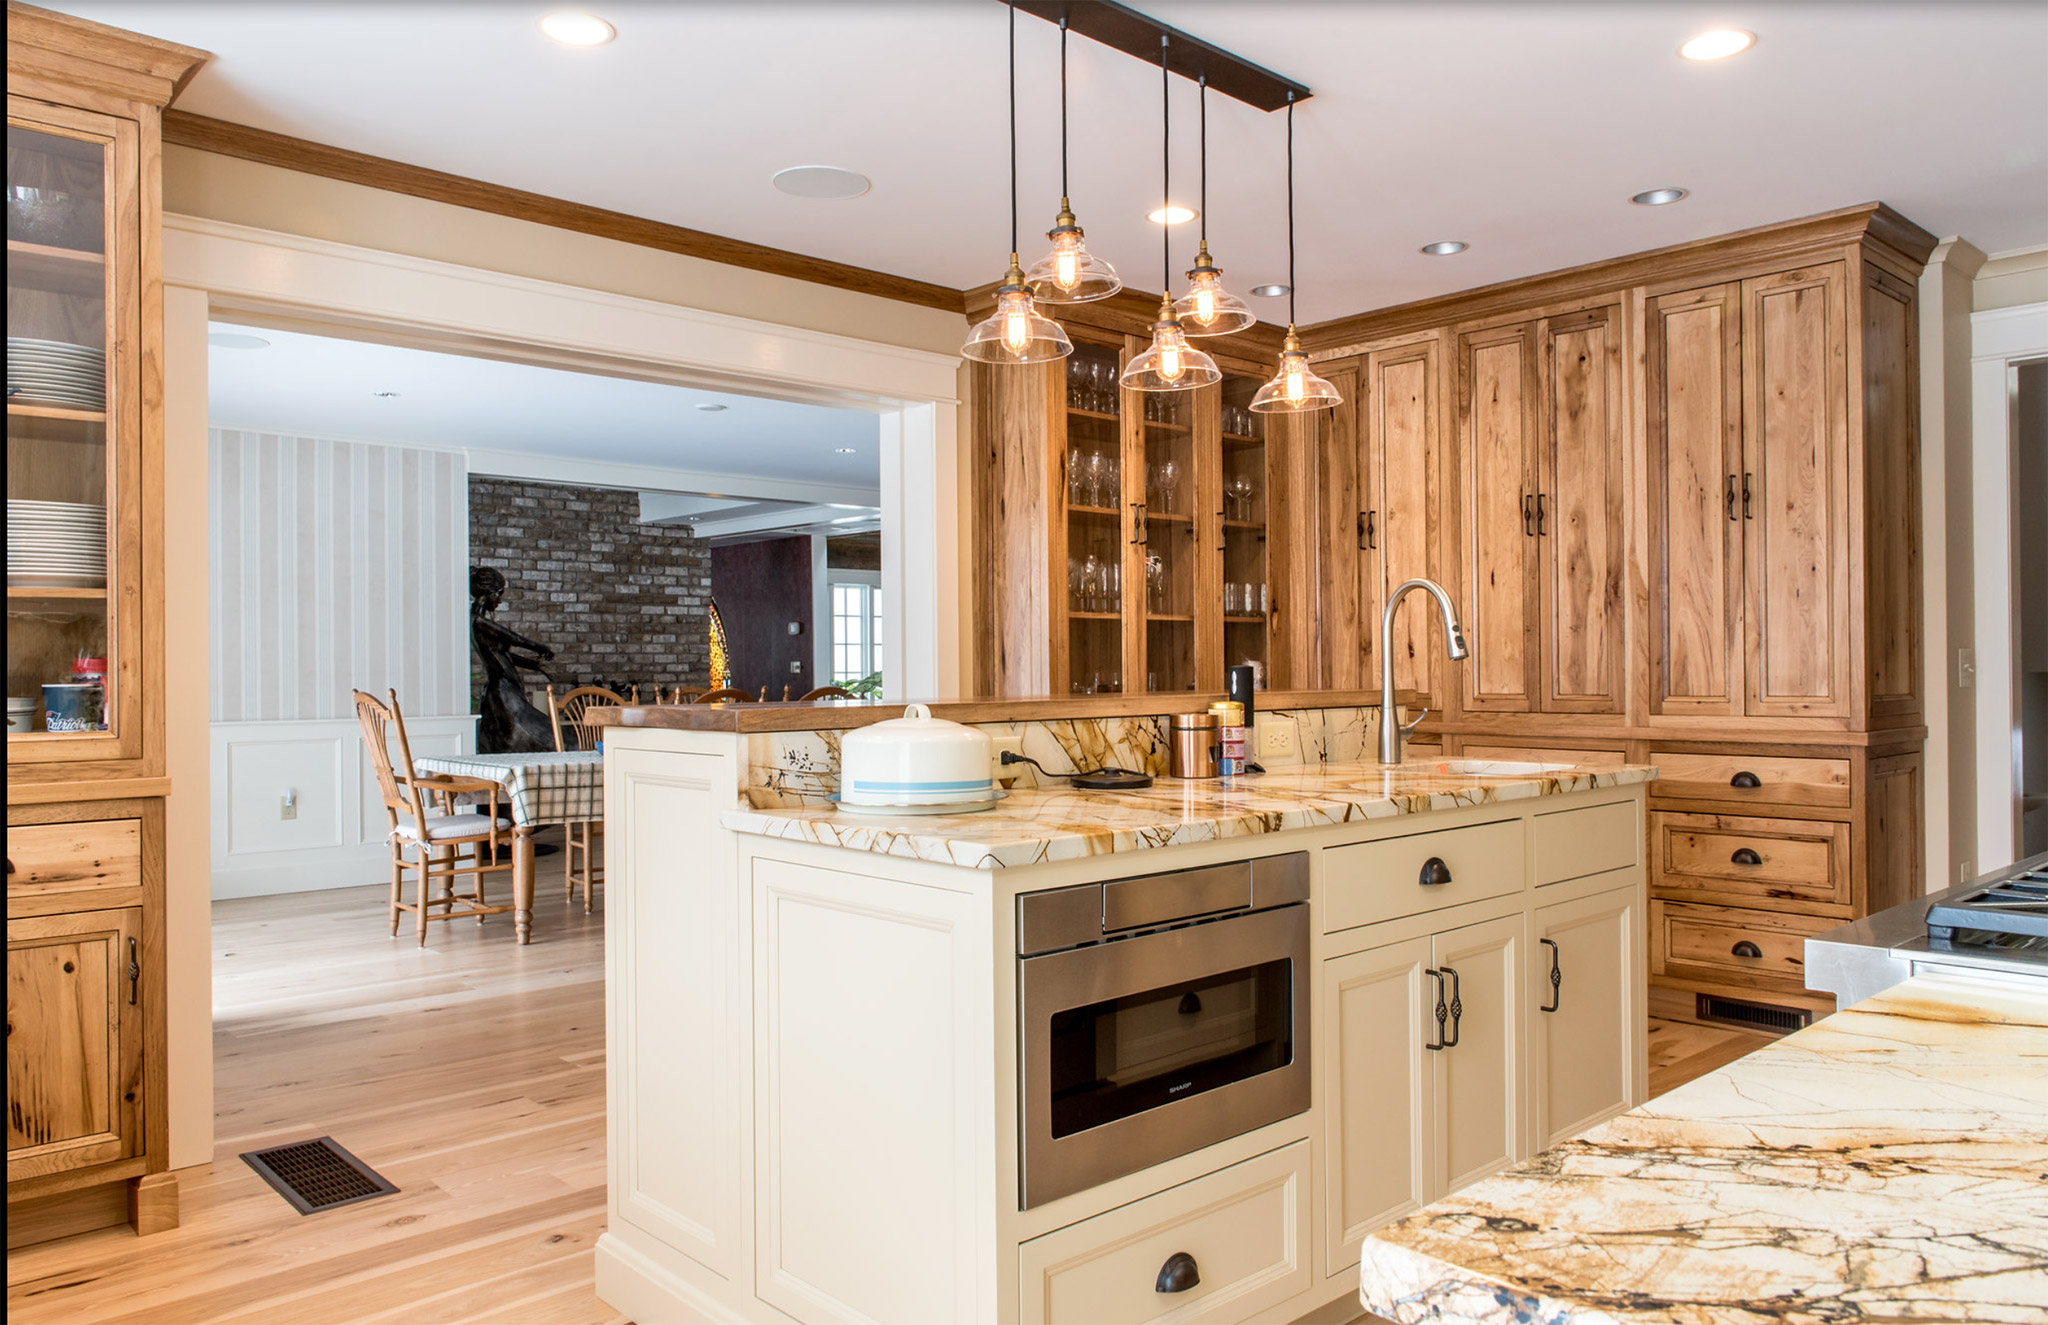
pixel 685 694
pixel 724 695
pixel 583 844
pixel 827 692
pixel 445 845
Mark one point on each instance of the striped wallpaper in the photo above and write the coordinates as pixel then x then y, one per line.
pixel 336 566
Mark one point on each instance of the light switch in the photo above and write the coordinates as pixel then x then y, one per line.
pixel 288 805
pixel 1966 668
pixel 796 668
pixel 796 627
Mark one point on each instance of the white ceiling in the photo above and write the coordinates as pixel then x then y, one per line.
pixel 319 386
pixel 1519 128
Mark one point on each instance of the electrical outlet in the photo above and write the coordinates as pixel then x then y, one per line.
pixel 796 668
pixel 1005 774
pixel 1276 737
pixel 288 806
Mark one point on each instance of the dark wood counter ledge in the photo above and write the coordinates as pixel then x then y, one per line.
pixel 838 715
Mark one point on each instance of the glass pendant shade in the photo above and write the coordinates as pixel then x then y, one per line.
pixel 1070 274
pixel 1295 389
pixel 1207 309
pixel 1170 363
pixel 1016 332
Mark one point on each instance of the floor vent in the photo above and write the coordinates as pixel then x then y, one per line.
pixel 317 1175
pixel 1750 1016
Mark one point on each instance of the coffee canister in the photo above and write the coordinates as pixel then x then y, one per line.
pixel 1191 752
pixel 1230 734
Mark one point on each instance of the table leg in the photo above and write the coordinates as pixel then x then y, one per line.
pixel 522 883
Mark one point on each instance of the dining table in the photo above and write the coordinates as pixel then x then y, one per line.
pixel 543 787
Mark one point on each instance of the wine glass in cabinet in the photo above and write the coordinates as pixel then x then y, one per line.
pixel 1097 560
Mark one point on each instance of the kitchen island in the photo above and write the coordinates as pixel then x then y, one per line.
pixel 829 1058
pixel 1887 1163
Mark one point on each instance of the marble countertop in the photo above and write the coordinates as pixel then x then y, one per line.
pixel 841 714
pixel 1035 826
pixel 1888 1163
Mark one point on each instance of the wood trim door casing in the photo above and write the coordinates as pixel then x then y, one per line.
pixel 1693 413
pixel 1796 471
pixel 1581 525
pixel 1497 482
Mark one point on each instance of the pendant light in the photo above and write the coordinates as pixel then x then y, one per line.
pixel 1207 308
pixel 1295 389
pixel 1015 333
pixel 1171 364
pixel 1070 274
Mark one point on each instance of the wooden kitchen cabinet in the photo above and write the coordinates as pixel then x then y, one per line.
pixel 1496 514
pixel 75 1086
pixel 1586 988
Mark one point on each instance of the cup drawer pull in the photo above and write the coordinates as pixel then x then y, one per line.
pixel 1746 949
pixel 1435 872
pixel 1179 1274
pixel 1744 856
pixel 1745 779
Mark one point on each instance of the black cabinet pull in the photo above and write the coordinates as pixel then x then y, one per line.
pixel 1457 1009
pixel 1141 531
pixel 1745 779
pixel 1178 1275
pixel 1745 498
pixel 1222 536
pixel 1746 949
pixel 1528 516
pixel 1190 1004
pixel 1442 1013
pixel 1368 535
pixel 134 972
pixel 1744 856
pixel 1731 498
pixel 1556 979
pixel 1434 872
pixel 1540 530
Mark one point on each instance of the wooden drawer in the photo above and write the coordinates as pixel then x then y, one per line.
pixel 1570 844
pixel 44 860
pixel 1688 938
pixel 1374 881
pixel 1550 754
pixel 1246 1227
pixel 1781 779
pixel 1797 861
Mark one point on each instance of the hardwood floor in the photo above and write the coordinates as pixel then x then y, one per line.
pixel 1680 1051
pixel 470 1073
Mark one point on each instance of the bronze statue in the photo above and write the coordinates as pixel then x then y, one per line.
pixel 510 724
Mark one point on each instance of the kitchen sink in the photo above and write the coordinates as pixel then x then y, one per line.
pixel 1497 768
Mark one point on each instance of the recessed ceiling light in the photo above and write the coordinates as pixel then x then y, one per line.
pixel 1172 215
pixel 1269 291
pixel 234 340
pixel 1658 197
pixel 385 395
pixel 842 450
pixel 712 407
pixel 1443 248
pixel 1718 44
pixel 821 182
pixel 574 29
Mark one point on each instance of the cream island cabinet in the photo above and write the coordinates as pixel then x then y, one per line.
pixel 836 1093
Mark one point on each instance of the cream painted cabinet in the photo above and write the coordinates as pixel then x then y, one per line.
pixel 1586 991
pixel 1479 1123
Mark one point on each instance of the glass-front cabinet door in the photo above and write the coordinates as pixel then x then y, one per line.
pixel 1246 588
pixel 73 424
pixel 1095 521
pixel 1170 541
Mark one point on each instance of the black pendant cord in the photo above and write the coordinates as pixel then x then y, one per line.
pixel 1063 103
pixel 1165 168
pixel 1290 209
pixel 1204 199
pixel 1013 128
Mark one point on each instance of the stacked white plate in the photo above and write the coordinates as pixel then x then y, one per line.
pixel 51 372
pixel 56 544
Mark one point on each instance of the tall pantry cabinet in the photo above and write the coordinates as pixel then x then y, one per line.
pixel 86 1125
pixel 1676 497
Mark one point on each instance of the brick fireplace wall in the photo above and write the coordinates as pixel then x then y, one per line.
pixel 619 602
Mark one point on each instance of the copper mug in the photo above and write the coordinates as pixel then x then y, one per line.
pixel 1191 751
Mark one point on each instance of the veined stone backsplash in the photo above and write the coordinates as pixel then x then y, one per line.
pixel 787 769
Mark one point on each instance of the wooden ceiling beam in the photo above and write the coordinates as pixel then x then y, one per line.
pixel 1137 35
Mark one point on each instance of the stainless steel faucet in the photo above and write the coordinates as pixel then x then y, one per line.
pixel 1393 732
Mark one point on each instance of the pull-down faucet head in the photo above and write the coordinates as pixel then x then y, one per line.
pixel 1391 730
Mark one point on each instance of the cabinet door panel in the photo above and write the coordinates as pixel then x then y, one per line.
pixel 1694 366
pixel 1579 525
pixel 1403 386
pixel 74 1042
pixel 1379 1091
pixel 1891 504
pixel 1479 1079
pixel 1796 468
pixel 1346 613
pixel 1497 487
pixel 1587 1049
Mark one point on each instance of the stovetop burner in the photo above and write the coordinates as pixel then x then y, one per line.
pixel 2015 904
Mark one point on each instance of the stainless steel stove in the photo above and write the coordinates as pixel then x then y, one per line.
pixel 1993 927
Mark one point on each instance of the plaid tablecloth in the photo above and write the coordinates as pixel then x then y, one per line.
pixel 544 788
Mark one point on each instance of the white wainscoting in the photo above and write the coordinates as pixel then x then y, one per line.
pixel 336 840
